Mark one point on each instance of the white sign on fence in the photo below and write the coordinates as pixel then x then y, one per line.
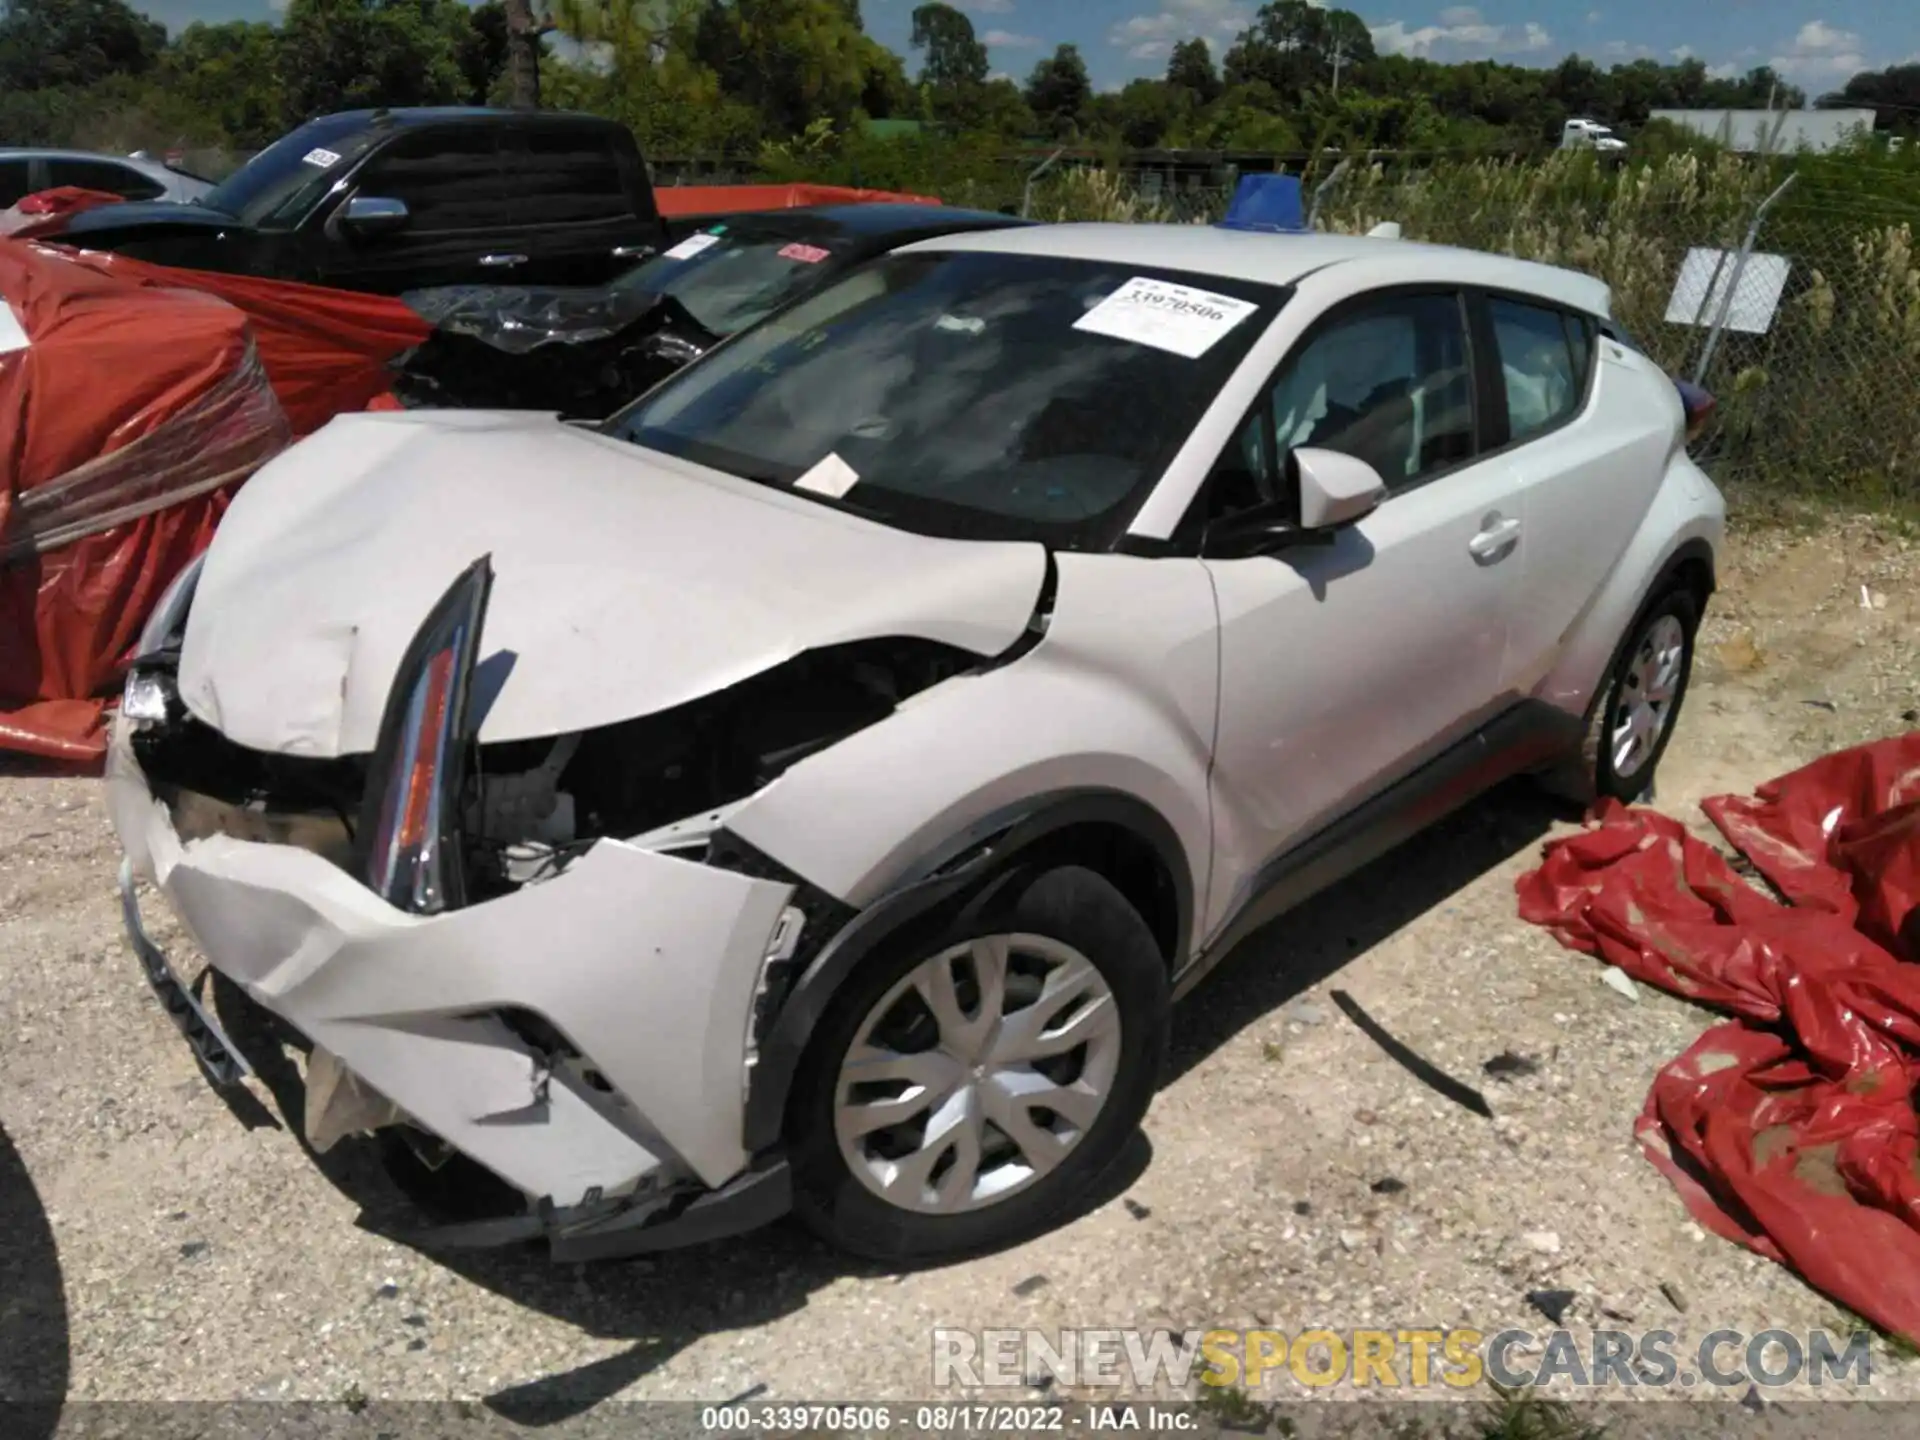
pixel 1703 282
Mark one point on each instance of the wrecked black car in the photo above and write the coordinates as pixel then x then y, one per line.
pixel 584 351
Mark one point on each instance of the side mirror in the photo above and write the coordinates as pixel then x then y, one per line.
pixel 1335 489
pixel 370 215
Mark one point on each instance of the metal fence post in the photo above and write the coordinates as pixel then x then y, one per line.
pixel 1733 280
pixel 1026 196
pixel 1320 191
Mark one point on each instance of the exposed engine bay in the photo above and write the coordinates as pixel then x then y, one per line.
pixel 531 804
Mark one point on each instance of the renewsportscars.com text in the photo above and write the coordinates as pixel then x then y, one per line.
pixel 1409 1359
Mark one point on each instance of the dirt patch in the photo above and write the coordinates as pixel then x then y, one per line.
pixel 1294 1175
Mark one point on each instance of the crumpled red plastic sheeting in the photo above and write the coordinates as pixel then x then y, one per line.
pixel 125 423
pixel 679 201
pixel 1791 1128
pixel 42 208
pixel 326 351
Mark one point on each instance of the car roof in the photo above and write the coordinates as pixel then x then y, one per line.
pixel 1266 257
pixel 890 217
pixel 403 115
pixel 56 152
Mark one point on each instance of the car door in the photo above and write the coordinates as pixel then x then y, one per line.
pixel 1588 431
pixel 571 214
pixel 1345 666
pixel 453 181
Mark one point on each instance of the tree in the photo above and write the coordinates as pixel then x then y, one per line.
pixel 793 62
pixel 1190 68
pixel 523 55
pixel 953 56
pixel 1058 90
pixel 48 43
pixel 350 54
pixel 1893 94
pixel 226 72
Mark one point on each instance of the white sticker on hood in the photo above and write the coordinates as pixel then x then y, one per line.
pixel 692 246
pixel 322 158
pixel 13 335
pixel 1168 317
pixel 832 477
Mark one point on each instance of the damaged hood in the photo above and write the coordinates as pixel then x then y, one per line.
pixel 626 582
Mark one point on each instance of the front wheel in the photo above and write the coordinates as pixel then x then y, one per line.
pixel 965 1092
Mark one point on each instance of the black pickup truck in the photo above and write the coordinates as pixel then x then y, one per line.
pixel 391 200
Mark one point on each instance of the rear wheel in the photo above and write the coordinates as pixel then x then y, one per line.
pixel 965 1091
pixel 1633 720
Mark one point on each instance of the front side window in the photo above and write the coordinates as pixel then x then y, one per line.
pixel 449 180
pixel 277 187
pixel 1545 356
pixel 1390 384
pixel 966 393
pixel 104 176
pixel 730 278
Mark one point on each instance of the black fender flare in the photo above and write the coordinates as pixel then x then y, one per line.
pixel 959 874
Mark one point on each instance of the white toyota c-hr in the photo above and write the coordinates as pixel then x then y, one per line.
pixel 810 788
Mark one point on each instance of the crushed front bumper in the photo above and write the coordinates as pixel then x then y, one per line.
pixel 647 965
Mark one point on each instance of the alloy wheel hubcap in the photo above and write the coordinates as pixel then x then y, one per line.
pixel 1647 692
pixel 977 1073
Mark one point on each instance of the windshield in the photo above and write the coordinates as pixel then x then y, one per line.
pixel 728 280
pixel 968 394
pixel 285 180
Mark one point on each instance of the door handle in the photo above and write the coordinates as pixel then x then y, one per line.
pixel 1494 538
pixel 632 252
pixel 503 260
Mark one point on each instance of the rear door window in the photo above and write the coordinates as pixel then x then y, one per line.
pixel 122 180
pixel 566 175
pixel 1546 357
pixel 449 180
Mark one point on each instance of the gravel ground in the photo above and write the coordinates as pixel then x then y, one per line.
pixel 159 1242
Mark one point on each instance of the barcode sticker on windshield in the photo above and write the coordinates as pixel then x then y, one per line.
pixel 1168 317
pixel 692 246
pixel 832 477
pixel 320 157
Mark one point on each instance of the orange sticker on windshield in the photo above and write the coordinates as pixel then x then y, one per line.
pixel 805 254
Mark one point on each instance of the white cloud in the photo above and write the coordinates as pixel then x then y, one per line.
pixel 1461 38
pixel 1682 52
pixel 1820 54
pixel 1009 39
pixel 1723 72
pixel 1621 50
pixel 1460 15
pixel 1594 17
pixel 1152 37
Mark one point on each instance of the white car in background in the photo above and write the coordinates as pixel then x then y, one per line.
pixel 131 177
pixel 810 789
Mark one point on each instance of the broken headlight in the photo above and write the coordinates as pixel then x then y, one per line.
pixel 150 695
pixel 410 830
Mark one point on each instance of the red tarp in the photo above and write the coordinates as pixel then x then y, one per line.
pixel 139 403
pixel 1790 1129
pixel 676 202
pixel 43 208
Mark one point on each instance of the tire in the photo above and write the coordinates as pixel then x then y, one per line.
pixel 1673 616
pixel 1058 923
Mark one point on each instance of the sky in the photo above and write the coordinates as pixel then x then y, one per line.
pixel 1816 44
